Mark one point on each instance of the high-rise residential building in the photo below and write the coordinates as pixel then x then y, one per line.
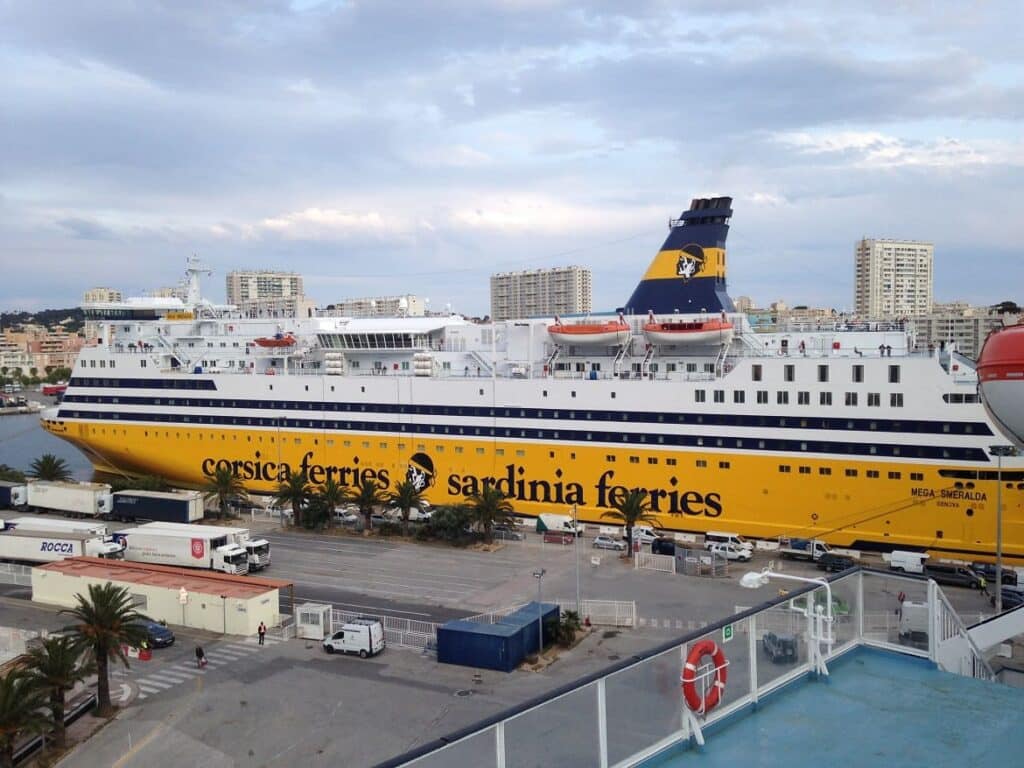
pixel 250 286
pixel 537 292
pixel 101 296
pixel 380 306
pixel 960 324
pixel 893 278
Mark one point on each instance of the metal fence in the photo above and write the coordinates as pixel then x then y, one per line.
pixel 700 562
pixel 651 562
pixel 603 613
pixel 11 573
pixel 398 632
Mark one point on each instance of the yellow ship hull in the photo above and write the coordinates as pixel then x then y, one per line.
pixel 854 503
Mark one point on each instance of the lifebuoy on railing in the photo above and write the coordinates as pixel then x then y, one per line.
pixel 694 700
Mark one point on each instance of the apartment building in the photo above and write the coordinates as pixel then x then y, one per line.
pixel 541 292
pixel 380 306
pixel 244 286
pixel 102 296
pixel 893 278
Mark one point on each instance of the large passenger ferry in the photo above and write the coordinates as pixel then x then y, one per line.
pixel 839 431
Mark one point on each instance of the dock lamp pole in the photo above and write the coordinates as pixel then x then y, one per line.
pixel 539 576
pixel 999 451
pixel 576 556
pixel 224 609
pixel 821 632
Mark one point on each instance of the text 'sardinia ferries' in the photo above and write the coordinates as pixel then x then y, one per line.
pixel 836 432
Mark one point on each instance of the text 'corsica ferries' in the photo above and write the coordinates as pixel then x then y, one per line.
pixel 835 431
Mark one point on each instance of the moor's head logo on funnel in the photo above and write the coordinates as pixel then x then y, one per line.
pixel 691 261
pixel 420 472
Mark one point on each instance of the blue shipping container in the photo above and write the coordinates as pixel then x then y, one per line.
pixel 484 646
pixel 526 617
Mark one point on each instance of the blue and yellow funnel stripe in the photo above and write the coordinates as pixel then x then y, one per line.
pixel 688 273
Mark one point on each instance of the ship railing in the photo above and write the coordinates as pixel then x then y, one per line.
pixel 635 710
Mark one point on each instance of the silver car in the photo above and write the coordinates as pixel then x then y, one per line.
pixel 607 542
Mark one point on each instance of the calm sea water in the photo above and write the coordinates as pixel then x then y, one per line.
pixel 22 440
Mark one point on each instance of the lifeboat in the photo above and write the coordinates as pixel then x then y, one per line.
pixel 277 340
pixel 1001 379
pixel 608 333
pixel 707 331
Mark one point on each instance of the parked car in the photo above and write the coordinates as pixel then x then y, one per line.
pixel 346 515
pixel 730 551
pixel 781 649
pixel 507 533
pixel 1012 597
pixel 157 635
pixel 988 571
pixel 607 542
pixel 663 547
pixel 830 561
pixel 954 575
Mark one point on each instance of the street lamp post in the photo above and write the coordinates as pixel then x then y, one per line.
pixel 539 576
pixel 821 633
pixel 999 451
pixel 224 611
pixel 576 556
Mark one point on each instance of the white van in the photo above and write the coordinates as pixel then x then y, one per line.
pixel 362 636
pixel 724 537
pixel 908 562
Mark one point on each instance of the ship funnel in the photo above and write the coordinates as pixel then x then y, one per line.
pixel 688 274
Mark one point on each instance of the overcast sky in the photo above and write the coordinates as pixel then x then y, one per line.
pixel 400 147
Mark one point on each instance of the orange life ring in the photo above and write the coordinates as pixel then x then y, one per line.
pixel 689 677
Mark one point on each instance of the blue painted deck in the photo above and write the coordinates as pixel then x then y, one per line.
pixel 877 709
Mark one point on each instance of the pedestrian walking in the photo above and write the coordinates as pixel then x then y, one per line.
pixel 262 632
pixel 200 657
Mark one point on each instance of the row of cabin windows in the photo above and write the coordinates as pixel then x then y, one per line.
pixel 871 473
pixel 102 363
pixel 802 398
pixel 857 374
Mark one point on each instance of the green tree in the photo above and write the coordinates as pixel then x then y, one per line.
pixel 295 491
pixel 488 508
pixel 11 475
pixel 223 487
pixel 21 704
pixel 629 510
pixel 450 522
pixel 406 497
pixel 368 496
pixel 57 664
pixel 105 622
pixel 33 372
pixel 330 496
pixel 49 467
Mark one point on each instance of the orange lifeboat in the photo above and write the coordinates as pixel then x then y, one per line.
pixel 277 340
pixel 705 331
pixel 1001 379
pixel 609 332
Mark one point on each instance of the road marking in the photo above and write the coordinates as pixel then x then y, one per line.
pixel 162 684
pixel 174 675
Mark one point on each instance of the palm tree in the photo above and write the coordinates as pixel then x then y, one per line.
pixel 368 496
pixel 331 495
pixel 105 621
pixel 57 665
pixel 629 510
pixel 222 487
pixel 489 507
pixel 21 703
pixel 406 497
pixel 295 490
pixel 49 467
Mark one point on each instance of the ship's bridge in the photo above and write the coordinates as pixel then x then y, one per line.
pixel 402 333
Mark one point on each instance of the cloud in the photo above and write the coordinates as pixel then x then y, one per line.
pixel 86 229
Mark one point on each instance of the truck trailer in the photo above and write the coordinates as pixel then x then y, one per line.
pixel 557 524
pixel 56 525
pixel 169 507
pixel 42 547
pixel 258 550
pixel 203 548
pixel 81 499
pixel 13 494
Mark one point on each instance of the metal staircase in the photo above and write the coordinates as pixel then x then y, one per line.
pixel 620 356
pixel 723 353
pixel 550 364
pixel 645 366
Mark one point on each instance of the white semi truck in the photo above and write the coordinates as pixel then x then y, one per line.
pixel 206 547
pixel 42 547
pixel 557 524
pixel 77 499
pixel 258 550
pixel 56 525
